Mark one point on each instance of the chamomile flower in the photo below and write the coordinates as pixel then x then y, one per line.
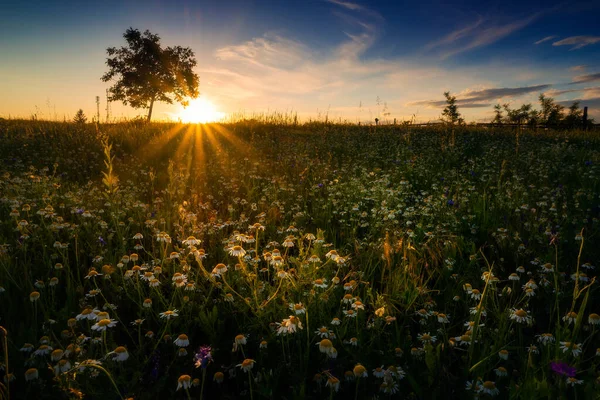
pixel 378 372
pixel 594 319
pixel 61 367
pixel 359 371
pixel 323 332
pixel 320 283
pixel 237 251
pixel 120 354
pixel 297 308
pixel 489 387
pixel 169 314
pixel 43 350
pixel 247 364
pixel 104 324
pixel 545 338
pixel 289 325
pixel 426 338
pixel 184 382
pixel 218 377
pixel 325 346
pixel 333 383
pixel 443 318
pixel 240 340
pixel 521 316
pixel 571 381
pixel 570 318
pixel 573 348
pixel 182 340
pixel 31 374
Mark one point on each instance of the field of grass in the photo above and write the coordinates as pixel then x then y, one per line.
pixel 260 261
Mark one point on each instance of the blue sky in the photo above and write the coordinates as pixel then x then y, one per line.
pixel 314 57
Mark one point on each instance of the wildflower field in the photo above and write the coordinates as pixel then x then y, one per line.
pixel 274 261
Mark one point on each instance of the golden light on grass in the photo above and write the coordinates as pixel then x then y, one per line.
pixel 200 110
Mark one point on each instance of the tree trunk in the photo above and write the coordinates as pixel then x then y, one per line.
pixel 150 110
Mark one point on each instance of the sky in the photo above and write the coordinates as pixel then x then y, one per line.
pixel 352 60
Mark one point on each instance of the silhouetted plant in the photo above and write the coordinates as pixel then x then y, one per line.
pixel 147 73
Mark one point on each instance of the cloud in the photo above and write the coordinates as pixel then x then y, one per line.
pixel 277 72
pixel 577 41
pixel 578 68
pixel 347 4
pixel 586 78
pixel 464 103
pixel 357 9
pixel 545 39
pixel 269 51
pixel 455 35
pixel 591 103
pixel 477 98
pixel 594 91
pixel 481 33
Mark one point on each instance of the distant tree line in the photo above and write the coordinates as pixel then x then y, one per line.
pixel 550 114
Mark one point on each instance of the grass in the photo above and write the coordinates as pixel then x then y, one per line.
pixel 267 259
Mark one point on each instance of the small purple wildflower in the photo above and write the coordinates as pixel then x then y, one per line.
pixel 563 369
pixel 203 356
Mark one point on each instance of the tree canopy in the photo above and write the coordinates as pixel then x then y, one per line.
pixel 450 113
pixel 146 73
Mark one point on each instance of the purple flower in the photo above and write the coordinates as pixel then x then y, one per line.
pixel 563 369
pixel 203 356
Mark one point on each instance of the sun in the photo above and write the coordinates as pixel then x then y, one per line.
pixel 201 111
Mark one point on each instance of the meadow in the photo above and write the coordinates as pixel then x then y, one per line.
pixel 265 259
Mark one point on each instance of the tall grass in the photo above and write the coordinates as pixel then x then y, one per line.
pixel 441 265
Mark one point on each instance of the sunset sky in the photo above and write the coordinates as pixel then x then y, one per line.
pixel 314 57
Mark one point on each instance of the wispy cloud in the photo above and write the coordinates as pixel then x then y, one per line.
pixel 545 39
pixel 593 91
pixel 578 68
pixel 277 72
pixel 578 41
pixel 357 9
pixel 455 35
pixel 463 103
pixel 586 78
pixel 476 98
pixel 480 33
pixel 591 103
pixel 347 4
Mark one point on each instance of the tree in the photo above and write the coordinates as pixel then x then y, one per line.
pixel 575 117
pixel 146 73
pixel 551 113
pixel 497 115
pixel 80 117
pixel 451 114
pixel 519 116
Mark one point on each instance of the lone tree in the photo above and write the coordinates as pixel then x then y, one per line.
pixel 451 114
pixel 80 117
pixel 145 72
